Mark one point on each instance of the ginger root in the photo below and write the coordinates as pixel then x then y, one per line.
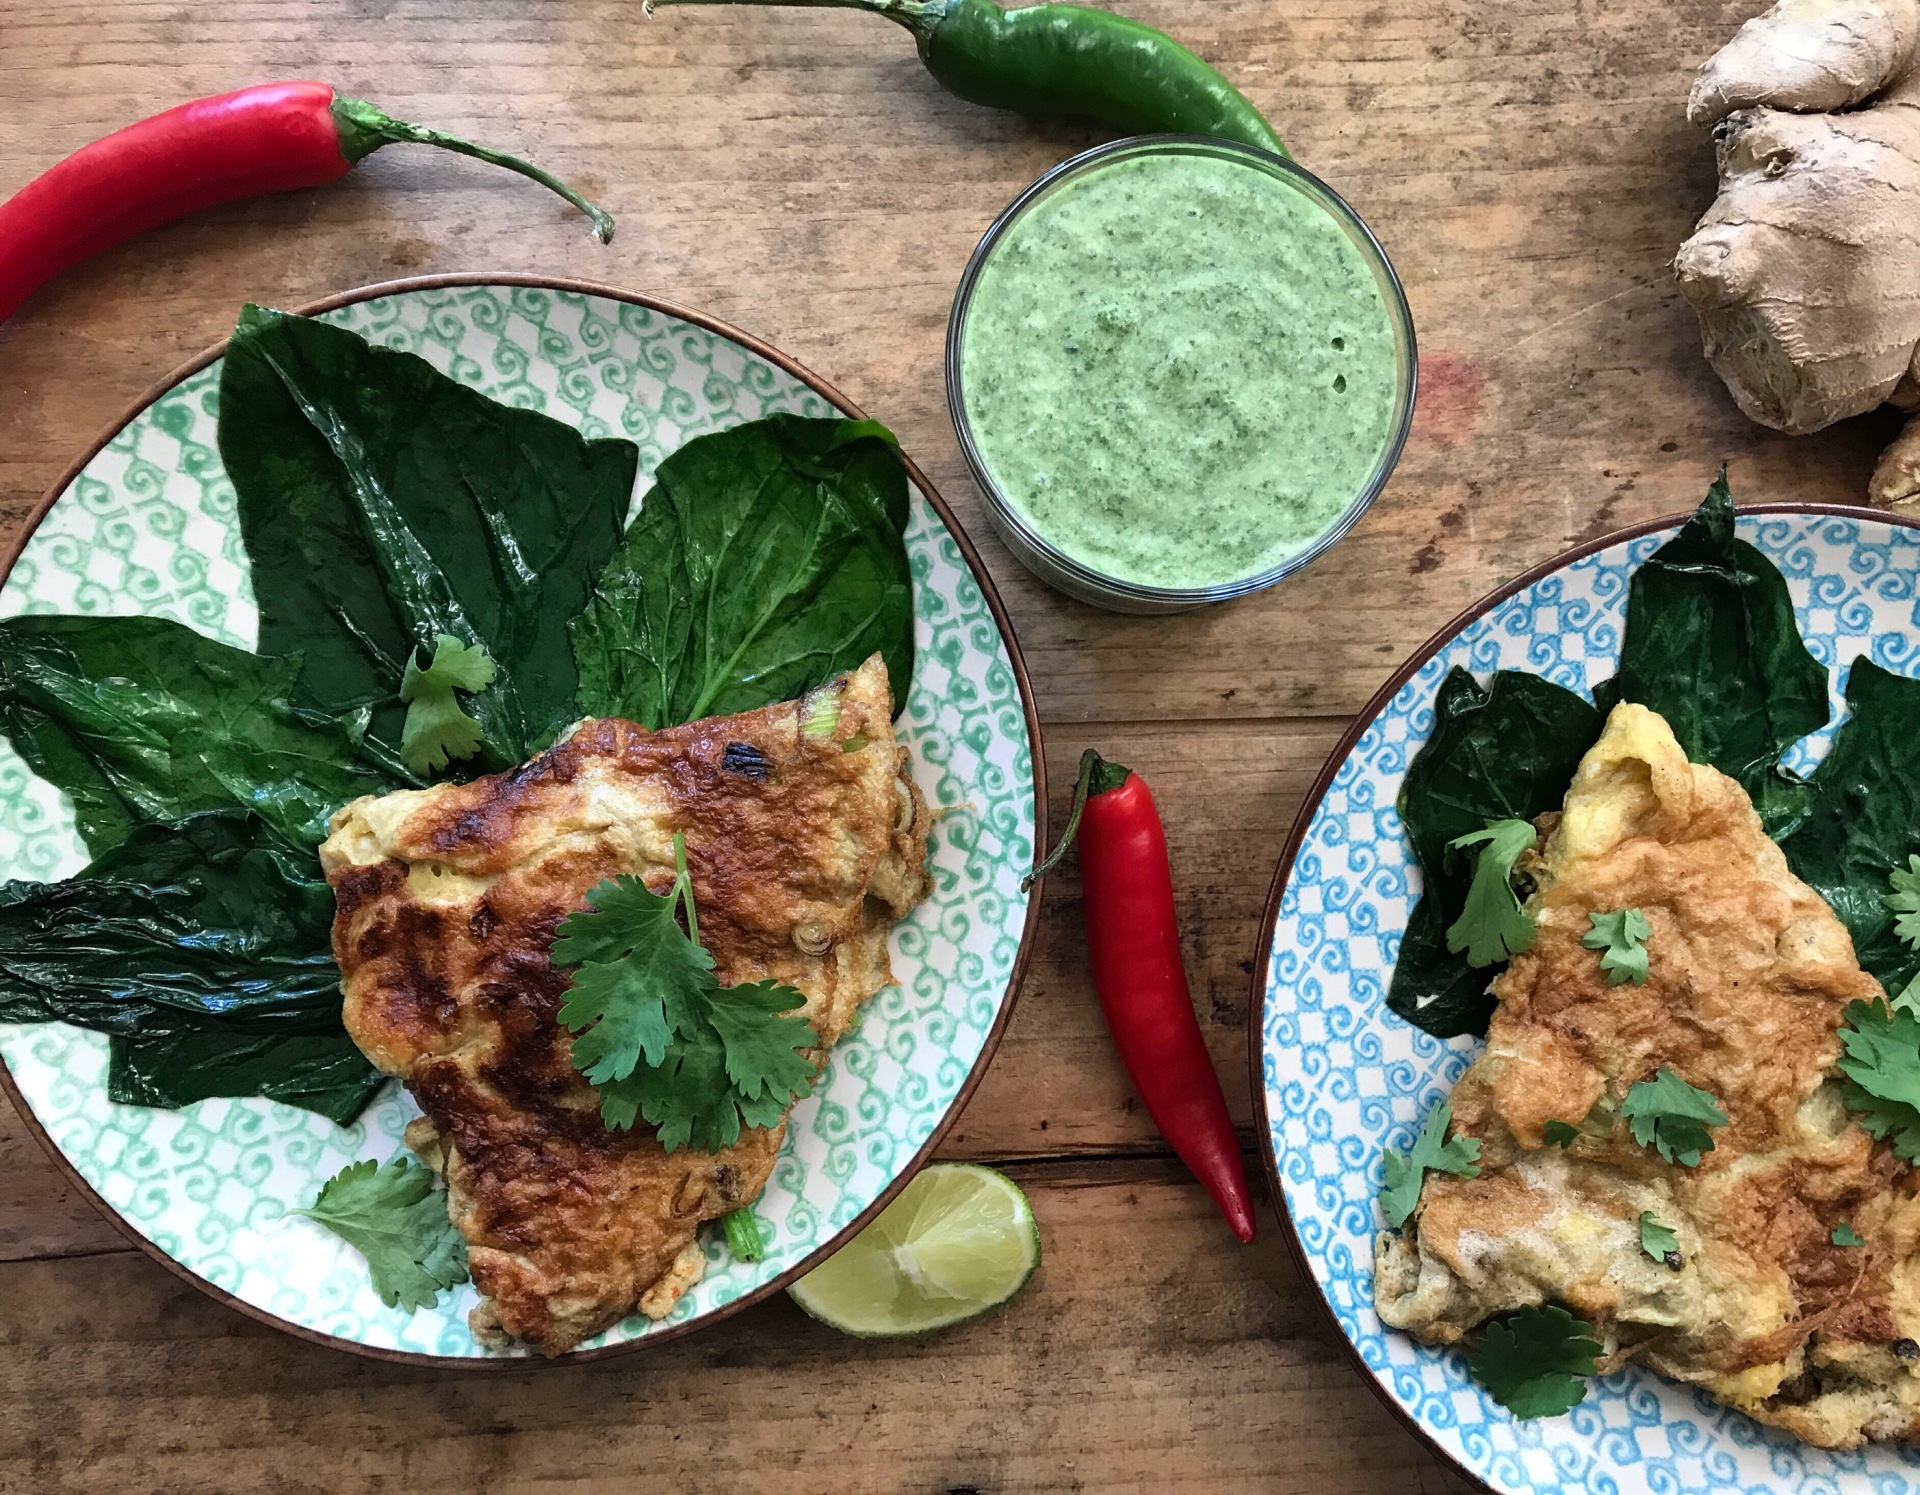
pixel 1805 272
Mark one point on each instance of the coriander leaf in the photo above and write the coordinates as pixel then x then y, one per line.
pixel 1492 926
pixel 455 665
pixel 1505 752
pixel 1712 644
pixel 1904 900
pixel 686 1097
pixel 397 1220
pixel 383 503
pixel 1560 1133
pixel 1882 1051
pixel 1430 1149
pixel 1659 1241
pixel 659 1037
pixel 1907 999
pixel 144 721
pixel 1621 938
pixel 766 559
pixel 689 1096
pixel 1882 1066
pixel 1845 1235
pixel 640 979
pixel 1885 1120
pixel 1671 1116
pixel 1535 1363
pixel 436 729
pixel 761 1046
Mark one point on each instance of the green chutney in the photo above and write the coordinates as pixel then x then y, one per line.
pixel 1178 369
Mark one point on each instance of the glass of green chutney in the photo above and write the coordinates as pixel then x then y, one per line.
pixel 1180 369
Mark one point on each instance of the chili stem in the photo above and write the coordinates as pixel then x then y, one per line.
pixel 1096 777
pixel 364 128
pixel 918 16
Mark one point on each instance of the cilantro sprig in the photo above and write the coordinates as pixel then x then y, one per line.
pixel 1660 1242
pixel 1492 926
pixel 1431 1149
pixel 436 729
pixel 1671 1116
pixel 1882 1069
pixel 1904 900
pixel 658 1036
pixel 397 1219
pixel 1535 1362
pixel 1560 1133
pixel 1621 938
pixel 1881 1040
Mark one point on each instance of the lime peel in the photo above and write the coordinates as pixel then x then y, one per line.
pixel 959 1241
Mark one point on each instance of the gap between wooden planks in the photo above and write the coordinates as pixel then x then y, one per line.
pixel 1528 166
pixel 1151 1349
pixel 1055 1088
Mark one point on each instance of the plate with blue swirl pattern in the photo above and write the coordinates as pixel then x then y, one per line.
pixel 1338 1077
pixel 145 523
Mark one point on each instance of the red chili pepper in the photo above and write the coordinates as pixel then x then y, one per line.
pixel 1133 944
pixel 276 137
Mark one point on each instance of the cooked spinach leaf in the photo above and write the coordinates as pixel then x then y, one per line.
pixel 216 920
pixel 1711 644
pixel 316 1072
pixel 384 504
pixel 204 950
pixel 142 720
pixel 1865 817
pixel 766 559
pixel 1504 753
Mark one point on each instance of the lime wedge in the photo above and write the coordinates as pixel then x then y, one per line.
pixel 959 1240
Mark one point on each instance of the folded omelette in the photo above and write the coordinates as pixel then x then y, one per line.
pixel 806 840
pixel 1749 976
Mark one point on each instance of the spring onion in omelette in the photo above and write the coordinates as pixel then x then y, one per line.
pixel 1690 1139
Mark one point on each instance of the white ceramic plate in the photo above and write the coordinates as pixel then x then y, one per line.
pixel 146 524
pixel 1339 1077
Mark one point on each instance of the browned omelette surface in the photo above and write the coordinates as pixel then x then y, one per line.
pixel 805 846
pixel 1750 974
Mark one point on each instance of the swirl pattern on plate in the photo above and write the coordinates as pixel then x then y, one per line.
pixel 1342 1077
pixel 149 527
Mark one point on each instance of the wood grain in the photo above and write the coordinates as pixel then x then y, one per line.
pixel 1150 1345
pixel 1529 168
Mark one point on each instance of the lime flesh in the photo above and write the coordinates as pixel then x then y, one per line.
pixel 959 1240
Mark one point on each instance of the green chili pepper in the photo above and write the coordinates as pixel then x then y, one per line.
pixel 1066 59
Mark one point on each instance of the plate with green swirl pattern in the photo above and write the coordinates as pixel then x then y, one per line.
pixel 145 523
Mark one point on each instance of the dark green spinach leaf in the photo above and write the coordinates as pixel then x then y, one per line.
pixel 316 1072
pixel 384 504
pixel 1711 644
pixel 1505 753
pixel 142 720
pixel 204 950
pixel 1865 818
pixel 766 559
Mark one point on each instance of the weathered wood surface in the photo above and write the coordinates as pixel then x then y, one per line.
pixel 1527 164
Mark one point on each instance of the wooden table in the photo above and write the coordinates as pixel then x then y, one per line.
pixel 1529 168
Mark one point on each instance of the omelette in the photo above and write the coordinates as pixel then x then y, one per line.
pixel 806 839
pixel 1749 974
